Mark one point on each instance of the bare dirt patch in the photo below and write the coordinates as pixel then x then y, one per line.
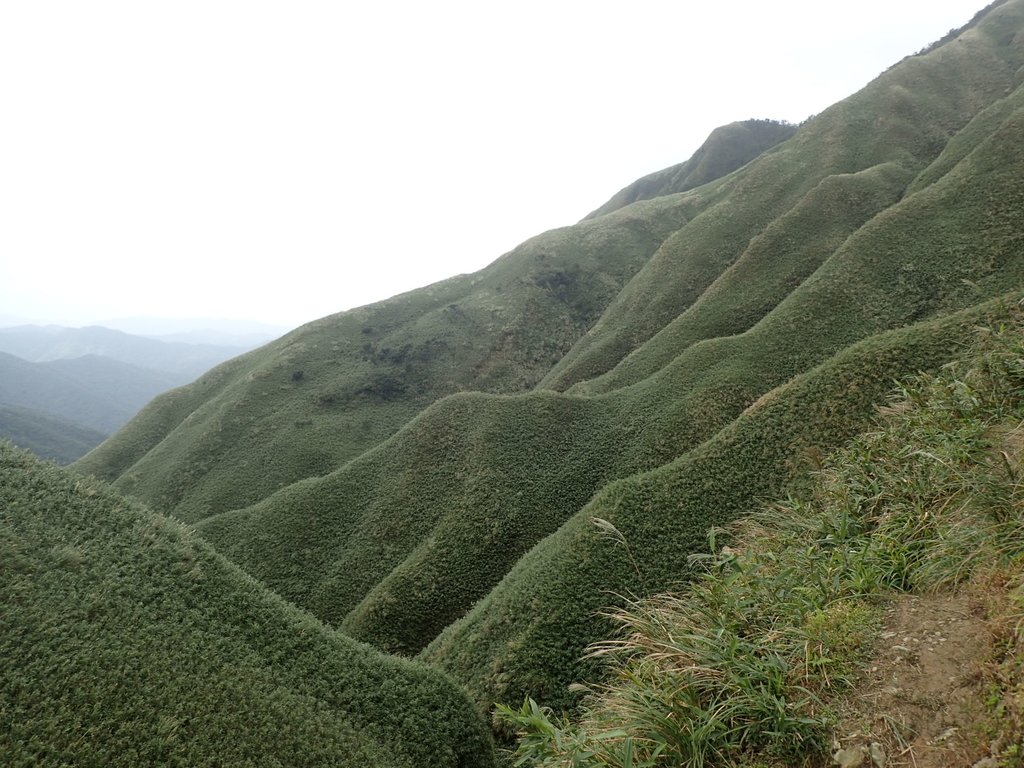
pixel 921 702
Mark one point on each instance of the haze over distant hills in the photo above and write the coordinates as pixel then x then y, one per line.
pixel 43 343
pixel 199 330
pixel 62 408
pixel 471 473
pixel 94 391
pixel 47 434
pixel 85 383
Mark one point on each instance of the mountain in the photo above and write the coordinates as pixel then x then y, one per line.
pixel 199 330
pixel 726 149
pixel 39 343
pixel 93 391
pixel 474 471
pixel 126 640
pixel 47 435
pixel 61 387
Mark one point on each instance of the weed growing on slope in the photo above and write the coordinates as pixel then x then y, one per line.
pixel 743 666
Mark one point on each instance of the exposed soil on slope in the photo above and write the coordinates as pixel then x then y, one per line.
pixel 922 702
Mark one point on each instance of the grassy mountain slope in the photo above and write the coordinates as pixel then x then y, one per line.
pixel 528 635
pixel 919 253
pixel 329 391
pixel 727 148
pixel 183 362
pixel 125 640
pixel 93 391
pixel 46 435
pixel 749 664
pixel 707 342
pixel 904 117
pixel 401 541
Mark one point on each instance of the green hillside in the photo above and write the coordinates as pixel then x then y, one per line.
pixel 125 640
pixel 527 637
pixel 899 123
pixel 776 651
pixel 402 540
pixel 47 435
pixel 325 393
pixel 473 471
pixel 726 149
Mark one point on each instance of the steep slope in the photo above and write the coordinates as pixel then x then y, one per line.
pixel 527 637
pixel 329 391
pixel 797 607
pixel 401 541
pixel 125 640
pixel 709 343
pixel 95 392
pixel 727 148
pixel 46 435
pixel 183 362
pixel 903 119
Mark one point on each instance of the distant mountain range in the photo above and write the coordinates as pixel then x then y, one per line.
pixel 93 391
pixel 184 361
pixel 63 390
pixel 199 330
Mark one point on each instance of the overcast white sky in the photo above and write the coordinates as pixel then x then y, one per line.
pixel 280 161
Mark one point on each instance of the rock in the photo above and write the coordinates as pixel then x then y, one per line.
pixel 998 744
pixel 851 757
pixel 878 757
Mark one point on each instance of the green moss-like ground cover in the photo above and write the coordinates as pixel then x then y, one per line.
pixel 125 640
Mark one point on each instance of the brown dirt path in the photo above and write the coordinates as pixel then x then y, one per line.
pixel 921 700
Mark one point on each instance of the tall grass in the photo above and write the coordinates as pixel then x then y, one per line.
pixel 742 667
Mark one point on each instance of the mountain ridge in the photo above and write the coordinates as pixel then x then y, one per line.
pixel 727 148
pixel 425 473
pixel 126 641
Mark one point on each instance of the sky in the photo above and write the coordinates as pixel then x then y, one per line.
pixel 281 161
